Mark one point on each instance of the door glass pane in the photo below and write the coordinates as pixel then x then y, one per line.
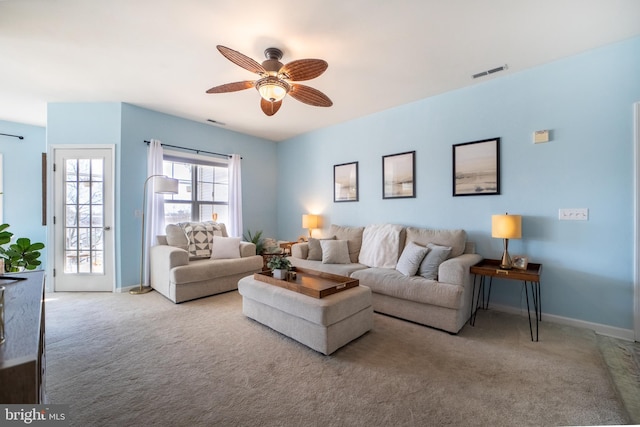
pixel 84 216
pixel 84 169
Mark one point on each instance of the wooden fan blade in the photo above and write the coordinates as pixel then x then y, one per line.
pixel 310 96
pixel 241 60
pixel 231 87
pixel 303 69
pixel 270 108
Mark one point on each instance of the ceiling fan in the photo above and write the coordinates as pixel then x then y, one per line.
pixel 277 80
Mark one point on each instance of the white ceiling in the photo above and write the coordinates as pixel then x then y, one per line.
pixel 161 54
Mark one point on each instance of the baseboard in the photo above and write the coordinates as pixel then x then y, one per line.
pixel 610 331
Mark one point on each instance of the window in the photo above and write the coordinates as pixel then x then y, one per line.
pixel 203 190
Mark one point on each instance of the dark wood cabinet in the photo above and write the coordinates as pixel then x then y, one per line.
pixel 22 355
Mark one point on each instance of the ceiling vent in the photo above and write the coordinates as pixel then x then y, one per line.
pixel 215 122
pixel 491 71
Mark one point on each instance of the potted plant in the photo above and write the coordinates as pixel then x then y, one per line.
pixel 256 239
pixel 279 266
pixel 21 255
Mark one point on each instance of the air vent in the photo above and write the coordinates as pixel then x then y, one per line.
pixel 491 71
pixel 215 122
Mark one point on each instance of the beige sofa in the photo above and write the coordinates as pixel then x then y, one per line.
pixel 438 294
pixel 182 268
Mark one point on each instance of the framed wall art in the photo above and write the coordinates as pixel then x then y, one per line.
pixel 345 182
pixel 476 168
pixel 398 175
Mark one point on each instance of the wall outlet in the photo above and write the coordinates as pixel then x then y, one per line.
pixel 576 214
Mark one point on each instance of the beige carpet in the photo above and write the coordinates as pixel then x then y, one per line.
pixel 123 360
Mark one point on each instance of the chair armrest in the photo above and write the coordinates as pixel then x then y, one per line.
pixel 247 249
pixel 165 257
pixel 456 270
pixel 300 250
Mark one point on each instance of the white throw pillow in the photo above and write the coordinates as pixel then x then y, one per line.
pixel 380 245
pixel 225 247
pixel 335 252
pixel 437 254
pixel 411 257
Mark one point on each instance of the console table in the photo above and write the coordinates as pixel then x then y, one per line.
pixel 22 354
pixel 491 268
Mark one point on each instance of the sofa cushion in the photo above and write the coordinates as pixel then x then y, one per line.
pixel 200 237
pixel 335 252
pixel 225 247
pixel 380 243
pixel 210 269
pixel 388 281
pixel 176 237
pixel 411 257
pixel 456 239
pixel 431 263
pixel 353 236
pixel 315 250
pixel 339 269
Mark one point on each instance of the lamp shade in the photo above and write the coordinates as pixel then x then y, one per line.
pixel 272 89
pixel 165 185
pixel 309 221
pixel 506 226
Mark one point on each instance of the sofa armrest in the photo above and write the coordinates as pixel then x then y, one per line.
pixel 166 257
pixel 247 249
pixel 300 250
pixel 456 270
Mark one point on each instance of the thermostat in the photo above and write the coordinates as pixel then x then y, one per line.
pixel 540 136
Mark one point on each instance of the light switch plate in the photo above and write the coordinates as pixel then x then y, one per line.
pixel 574 214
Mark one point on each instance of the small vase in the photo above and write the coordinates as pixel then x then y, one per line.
pixel 279 274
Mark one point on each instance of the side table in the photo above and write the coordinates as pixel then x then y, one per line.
pixel 491 268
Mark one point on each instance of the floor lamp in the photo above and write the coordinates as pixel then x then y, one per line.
pixel 161 185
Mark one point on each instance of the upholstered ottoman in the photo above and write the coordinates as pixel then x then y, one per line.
pixel 324 324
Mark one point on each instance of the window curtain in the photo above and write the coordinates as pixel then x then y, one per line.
pixel 154 216
pixel 235 196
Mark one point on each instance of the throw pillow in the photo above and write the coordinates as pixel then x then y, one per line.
pixel 335 252
pixel 225 247
pixel 380 245
pixel 411 257
pixel 200 236
pixel 315 250
pixel 436 255
pixel 353 236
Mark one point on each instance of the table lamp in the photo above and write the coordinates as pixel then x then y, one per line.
pixel 506 227
pixel 310 222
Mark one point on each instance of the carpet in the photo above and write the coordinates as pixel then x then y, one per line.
pixel 124 360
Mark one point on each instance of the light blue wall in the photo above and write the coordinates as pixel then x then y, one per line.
pixel 586 101
pixel 258 171
pixel 22 181
pixel 127 127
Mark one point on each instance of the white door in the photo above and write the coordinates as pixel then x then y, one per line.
pixel 83 209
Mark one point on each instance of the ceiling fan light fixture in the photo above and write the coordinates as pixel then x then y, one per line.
pixel 272 89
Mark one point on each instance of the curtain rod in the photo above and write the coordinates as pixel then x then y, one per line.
pixel 13 136
pixel 191 149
